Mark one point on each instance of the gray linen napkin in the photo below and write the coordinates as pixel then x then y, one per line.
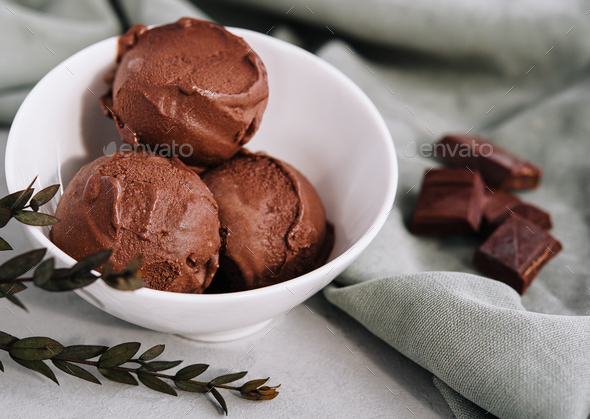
pixel 514 71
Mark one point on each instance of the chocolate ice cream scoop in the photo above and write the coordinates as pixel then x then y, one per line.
pixel 138 204
pixel 188 84
pixel 272 219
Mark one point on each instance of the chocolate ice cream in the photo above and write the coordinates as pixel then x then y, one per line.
pixel 138 204
pixel 190 82
pixel 272 220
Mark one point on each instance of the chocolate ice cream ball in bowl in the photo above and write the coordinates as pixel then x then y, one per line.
pixel 317 123
pixel 189 82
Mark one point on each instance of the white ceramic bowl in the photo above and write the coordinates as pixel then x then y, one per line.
pixel 317 120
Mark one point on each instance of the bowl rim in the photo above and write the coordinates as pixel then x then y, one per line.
pixel 351 253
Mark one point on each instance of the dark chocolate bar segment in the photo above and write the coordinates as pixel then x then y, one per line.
pixel 498 168
pixel 501 205
pixel 516 252
pixel 450 202
pixel 535 214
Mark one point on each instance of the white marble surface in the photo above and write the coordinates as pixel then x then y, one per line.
pixel 328 365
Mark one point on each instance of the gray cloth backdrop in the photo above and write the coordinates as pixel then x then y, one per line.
pixel 514 71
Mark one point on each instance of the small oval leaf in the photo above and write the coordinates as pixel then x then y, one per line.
pixel 118 376
pixel 228 378
pixel 36 348
pixel 4 245
pixel 33 218
pixel 43 272
pixel 124 283
pixel 253 385
pixel 61 283
pixel 24 196
pixel 75 370
pixel 219 399
pixel 13 300
pixel 192 387
pixel 152 353
pixel 9 200
pixel 94 261
pixel 191 371
pixel 11 288
pixel 6 339
pixel 21 264
pixel 45 195
pixel 118 354
pixel 162 365
pixel 5 216
pixel 82 352
pixel 155 383
pixel 38 366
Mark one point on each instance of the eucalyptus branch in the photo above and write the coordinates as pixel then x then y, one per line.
pixel 49 278
pixel 15 205
pixel 32 352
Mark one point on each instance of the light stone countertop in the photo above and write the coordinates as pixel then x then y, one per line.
pixel 328 365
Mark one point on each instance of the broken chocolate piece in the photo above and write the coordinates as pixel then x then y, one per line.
pixel 536 215
pixel 501 205
pixel 498 168
pixel 450 202
pixel 516 252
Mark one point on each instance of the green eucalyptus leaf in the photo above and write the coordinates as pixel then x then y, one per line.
pixel 21 264
pixel 81 352
pixel 33 218
pixel 219 399
pixel 8 290
pixel 155 383
pixel 191 386
pixel 118 376
pixel 4 245
pixel 228 378
pixel 10 200
pixel 253 385
pixel 24 196
pixel 118 355
pixel 5 216
pixel 59 283
pixel 6 339
pixel 94 261
pixel 152 353
pixel 133 265
pixel 45 195
pixel 13 300
pixel 124 284
pixel 161 365
pixel 12 288
pixel 38 366
pixel 191 371
pixel 43 272
pixel 75 370
pixel 34 205
pixel 36 348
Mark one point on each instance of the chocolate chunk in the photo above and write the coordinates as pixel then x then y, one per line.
pixel 500 205
pixel 498 168
pixel 536 215
pixel 516 252
pixel 450 202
